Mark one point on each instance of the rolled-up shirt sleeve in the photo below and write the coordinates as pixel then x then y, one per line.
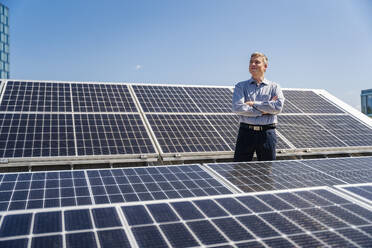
pixel 239 106
pixel 272 107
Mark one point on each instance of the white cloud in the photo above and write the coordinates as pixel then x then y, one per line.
pixel 138 67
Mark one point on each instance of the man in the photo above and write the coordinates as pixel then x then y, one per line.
pixel 257 101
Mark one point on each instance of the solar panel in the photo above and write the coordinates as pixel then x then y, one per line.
pixel 289 107
pixel 303 132
pixel 211 100
pixel 227 126
pixel 49 125
pixel 349 170
pixel 102 98
pixel 268 219
pixel 127 121
pixel 111 134
pixel 346 128
pixel 179 133
pixel 155 183
pixel 275 175
pixel 36 97
pixel 308 102
pixel 19 191
pixel 164 99
pixel 43 190
pixel 36 135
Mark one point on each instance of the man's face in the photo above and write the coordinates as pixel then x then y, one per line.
pixel 257 66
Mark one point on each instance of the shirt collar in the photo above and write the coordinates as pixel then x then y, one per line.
pixel 264 81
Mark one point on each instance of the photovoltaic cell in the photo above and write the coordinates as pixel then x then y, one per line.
pixel 113 239
pixel 178 235
pixel 186 133
pixel 15 225
pixel 77 220
pixel 47 222
pixel 111 134
pixel 262 176
pixel 309 102
pixel 164 99
pixel 14 243
pixel 211 100
pixel 75 240
pixel 102 98
pixel 148 236
pixel 36 135
pixel 36 97
pixel 47 241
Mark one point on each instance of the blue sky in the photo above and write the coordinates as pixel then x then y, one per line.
pixel 322 44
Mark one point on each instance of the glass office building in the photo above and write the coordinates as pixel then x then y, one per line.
pixel 4 41
pixel 366 98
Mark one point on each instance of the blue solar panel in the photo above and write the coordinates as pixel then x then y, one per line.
pixel 211 100
pixel 334 220
pixel 307 102
pixel 186 133
pixel 111 134
pixel 36 135
pixel 43 190
pixel 36 97
pixel 304 132
pixel 102 98
pixel 19 191
pixel 164 99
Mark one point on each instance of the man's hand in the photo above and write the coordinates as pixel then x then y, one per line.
pixel 250 103
pixel 274 98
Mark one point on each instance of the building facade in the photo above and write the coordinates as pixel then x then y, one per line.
pixel 366 98
pixel 4 41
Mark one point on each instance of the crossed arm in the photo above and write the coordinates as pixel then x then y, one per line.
pixel 256 108
pixel 252 104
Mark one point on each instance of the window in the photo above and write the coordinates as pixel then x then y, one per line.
pixel 364 104
pixel 369 104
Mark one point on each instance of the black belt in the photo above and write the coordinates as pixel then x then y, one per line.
pixel 257 127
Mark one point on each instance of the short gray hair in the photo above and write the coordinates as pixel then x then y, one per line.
pixel 258 54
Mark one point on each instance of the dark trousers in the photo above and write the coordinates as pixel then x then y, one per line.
pixel 250 141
